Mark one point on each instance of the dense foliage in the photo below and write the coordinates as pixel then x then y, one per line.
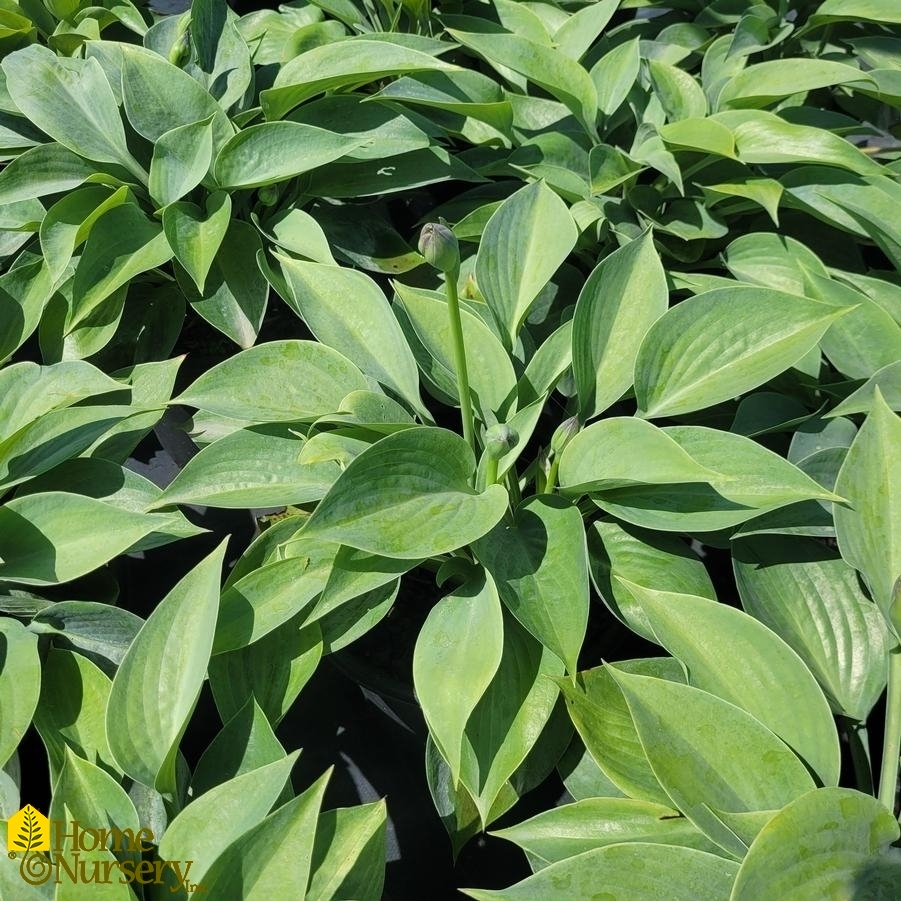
pixel 662 328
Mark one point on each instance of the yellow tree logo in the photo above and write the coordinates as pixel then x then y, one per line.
pixel 28 832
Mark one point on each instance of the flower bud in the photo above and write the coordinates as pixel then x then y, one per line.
pixel 566 431
pixel 438 244
pixel 267 195
pixel 180 51
pixel 499 440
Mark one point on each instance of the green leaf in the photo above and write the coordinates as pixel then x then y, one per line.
pixel 181 159
pixel 11 881
pixel 714 346
pixel 869 530
pixel 457 654
pixel 46 169
pixel 881 11
pixel 817 435
pixel 42 546
pixel 509 718
pixel 22 215
pixel 547 365
pixel 353 62
pixel 29 391
pixel 55 435
pixel 297 231
pixel 71 712
pixel 122 244
pixel 99 632
pixel 151 383
pixel 571 829
pixel 24 293
pixel 677 92
pixel 624 295
pixel 92 796
pixel 276 151
pixel 235 290
pixel 865 339
pixel 609 167
pixel 622 451
pixel 266 597
pixel 71 100
pixel 762 138
pixel 453 801
pixel 601 716
pixel 525 241
pixel 245 743
pixel 383 130
pixel 732 655
pixel 373 411
pixel 273 670
pixel 408 496
pixel 615 73
pixel 562 77
pixel 159 680
pixel 228 473
pixel 764 83
pixel 349 854
pixel 522 21
pixel 87 794
pixel 539 564
pixel 491 375
pixel 699 134
pixel 360 329
pixel 829 839
pixel 830 623
pixel 223 57
pixel 255 864
pixel 467 93
pixel 69 221
pixel 353 619
pixel 887 380
pixel 281 381
pixel 150 84
pixel 750 473
pixel 196 235
pixel 765 191
pixel 631 871
pixel 710 755
pixel 622 554
pixel 20 682
pixel 353 179
pixel 117 486
pixel 204 829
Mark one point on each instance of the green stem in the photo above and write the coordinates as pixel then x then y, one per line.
pixel 552 475
pixel 859 747
pixel 891 746
pixel 453 309
pixel 491 470
pixel 513 487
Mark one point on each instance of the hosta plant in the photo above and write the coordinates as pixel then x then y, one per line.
pixel 623 459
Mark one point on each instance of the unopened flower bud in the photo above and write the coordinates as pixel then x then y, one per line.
pixel 566 431
pixel 180 50
pixel 267 195
pixel 438 244
pixel 500 439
